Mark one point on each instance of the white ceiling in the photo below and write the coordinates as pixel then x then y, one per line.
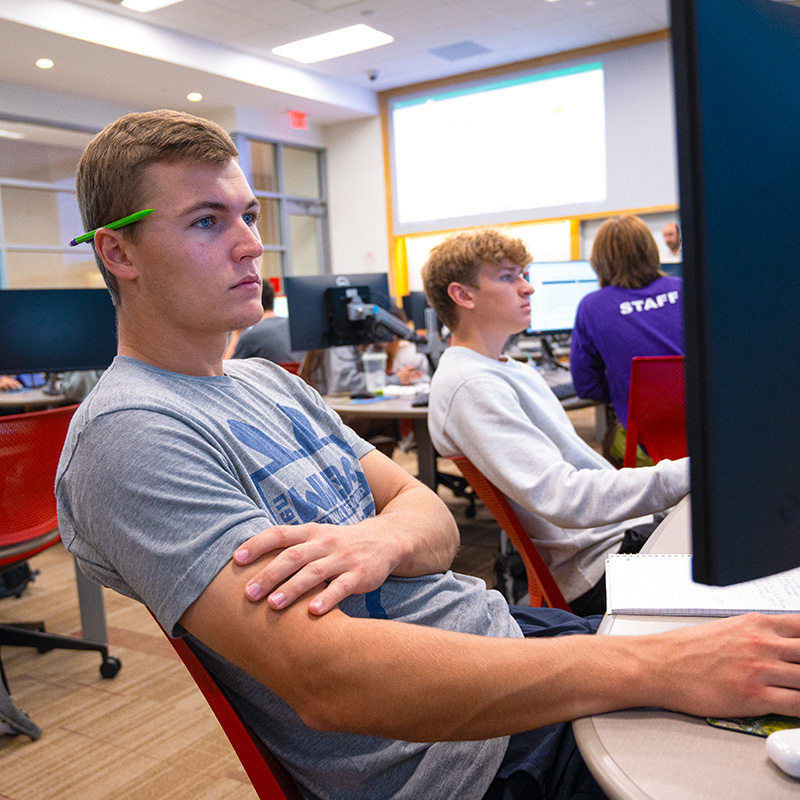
pixel 222 48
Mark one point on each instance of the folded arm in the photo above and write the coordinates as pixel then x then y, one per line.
pixel 410 682
pixel 412 533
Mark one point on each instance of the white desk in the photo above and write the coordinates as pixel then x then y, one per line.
pixel 401 408
pixel 29 400
pixel 651 754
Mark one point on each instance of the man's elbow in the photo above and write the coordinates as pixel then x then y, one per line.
pixel 329 706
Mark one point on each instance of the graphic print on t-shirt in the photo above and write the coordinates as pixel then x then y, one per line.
pixel 338 493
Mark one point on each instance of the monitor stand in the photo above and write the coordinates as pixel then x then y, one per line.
pixel 53 385
pixel 548 360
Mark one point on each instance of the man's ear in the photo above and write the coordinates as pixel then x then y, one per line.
pixel 462 294
pixel 113 250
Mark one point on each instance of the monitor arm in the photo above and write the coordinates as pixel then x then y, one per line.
pixel 359 311
pixel 431 346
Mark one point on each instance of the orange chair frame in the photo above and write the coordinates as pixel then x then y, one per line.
pixel 269 777
pixel 542 587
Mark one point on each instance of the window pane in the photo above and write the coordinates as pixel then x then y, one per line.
pixel 301 172
pixel 262 159
pixel 271 265
pixel 306 258
pixel 43 160
pixel 35 216
pixel 269 225
pixel 52 271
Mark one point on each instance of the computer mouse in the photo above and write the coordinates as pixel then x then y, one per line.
pixel 783 747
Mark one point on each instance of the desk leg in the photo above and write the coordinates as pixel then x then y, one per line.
pixel 93 608
pixel 601 414
pixel 426 455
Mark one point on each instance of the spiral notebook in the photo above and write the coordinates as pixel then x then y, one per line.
pixel 661 584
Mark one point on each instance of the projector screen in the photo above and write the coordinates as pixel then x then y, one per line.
pixel 526 142
pixel 500 165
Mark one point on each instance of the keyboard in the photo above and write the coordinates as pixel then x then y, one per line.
pixel 560 381
pixel 563 390
pixel 420 399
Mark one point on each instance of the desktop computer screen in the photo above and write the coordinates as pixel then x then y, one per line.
pixel 736 64
pixel 559 286
pixel 315 305
pixel 414 305
pixel 56 330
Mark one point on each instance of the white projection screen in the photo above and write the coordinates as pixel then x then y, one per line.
pixel 585 138
pixel 526 142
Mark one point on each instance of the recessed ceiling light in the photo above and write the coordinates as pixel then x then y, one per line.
pixel 44 63
pixel 334 44
pixel 194 97
pixel 148 5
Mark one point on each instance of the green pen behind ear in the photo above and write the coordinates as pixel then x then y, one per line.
pixel 120 223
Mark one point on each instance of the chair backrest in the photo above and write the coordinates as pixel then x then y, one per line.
pixel 270 779
pixel 542 587
pixel 656 408
pixel 30 446
pixel 290 366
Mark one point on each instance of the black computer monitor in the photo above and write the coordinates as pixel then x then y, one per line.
pixel 736 67
pixel 317 317
pixel 56 330
pixel 559 286
pixel 414 305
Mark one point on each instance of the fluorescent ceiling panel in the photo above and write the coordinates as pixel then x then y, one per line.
pixel 148 5
pixel 334 44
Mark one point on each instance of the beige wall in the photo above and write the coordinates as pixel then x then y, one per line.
pixel 357 196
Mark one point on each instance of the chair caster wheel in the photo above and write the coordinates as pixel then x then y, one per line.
pixel 110 667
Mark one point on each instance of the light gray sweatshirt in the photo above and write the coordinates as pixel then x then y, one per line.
pixel 574 504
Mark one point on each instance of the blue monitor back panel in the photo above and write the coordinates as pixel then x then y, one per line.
pixel 738 110
pixel 56 330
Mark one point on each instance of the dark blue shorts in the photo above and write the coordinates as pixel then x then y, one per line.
pixel 545 763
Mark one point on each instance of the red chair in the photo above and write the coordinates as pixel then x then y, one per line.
pixel 656 409
pixel 270 779
pixel 30 446
pixel 290 366
pixel 542 588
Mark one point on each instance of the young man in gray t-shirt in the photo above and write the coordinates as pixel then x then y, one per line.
pixel 203 487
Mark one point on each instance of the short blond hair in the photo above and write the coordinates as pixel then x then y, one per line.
pixel 110 171
pixel 458 259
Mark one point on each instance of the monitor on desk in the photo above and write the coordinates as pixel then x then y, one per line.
pixel 316 303
pixel 736 64
pixel 414 305
pixel 56 330
pixel 559 286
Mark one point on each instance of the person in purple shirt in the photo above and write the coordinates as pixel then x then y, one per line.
pixel 637 311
